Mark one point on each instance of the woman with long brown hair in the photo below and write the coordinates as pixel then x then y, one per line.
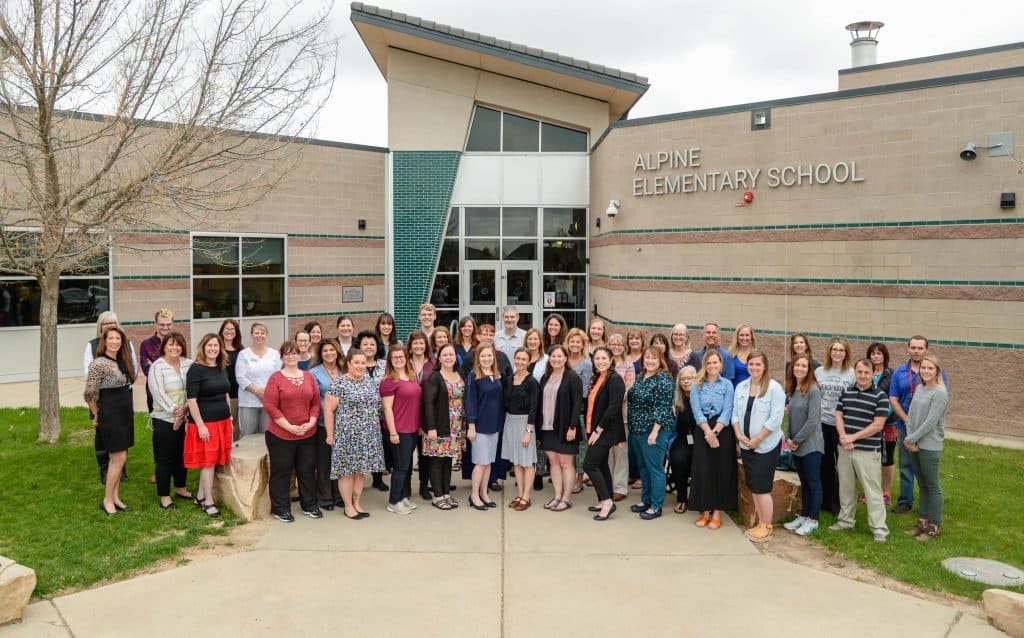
pixel 108 393
pixel 230 334
pixel 759 406
pixel 805 439
pixel 166 382
pixel 834 376
pixel 208 433
pixel 401 395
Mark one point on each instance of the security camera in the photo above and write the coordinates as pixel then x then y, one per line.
pixel 970 152
pixel 613 208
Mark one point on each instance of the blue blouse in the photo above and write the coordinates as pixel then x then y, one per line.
pixel 709 399
pixel 650 402
pixel 740 369
pixel 485 404
pixel 323 384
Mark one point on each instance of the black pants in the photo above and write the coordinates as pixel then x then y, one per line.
pixel 680 457
pixel 169 456
pixel 326 489
pixel 829 477
pixel 440 470
pixel 287 457
pixel 595 464
pixel 402 477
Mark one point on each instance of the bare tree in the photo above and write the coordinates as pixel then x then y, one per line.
pixel 204 107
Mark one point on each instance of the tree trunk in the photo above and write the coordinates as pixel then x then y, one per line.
pixel 49 373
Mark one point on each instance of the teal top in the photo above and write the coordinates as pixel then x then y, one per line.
pixel 650 402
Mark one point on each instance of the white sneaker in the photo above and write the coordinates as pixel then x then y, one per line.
pixel 398 508
pixel 409 504
pixel 795 524
pixel 808 527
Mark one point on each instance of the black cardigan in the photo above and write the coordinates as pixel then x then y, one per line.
pixel 607 411
pixel 568 404
pixel 435 405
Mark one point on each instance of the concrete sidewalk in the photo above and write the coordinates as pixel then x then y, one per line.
pixel 494 573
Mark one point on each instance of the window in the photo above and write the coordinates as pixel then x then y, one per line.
pixel 445 293
pixel 497 132
pixel 565 262
pixel 81 298
pixel 237 276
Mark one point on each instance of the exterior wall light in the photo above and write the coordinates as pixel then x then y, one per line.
pixel 613 208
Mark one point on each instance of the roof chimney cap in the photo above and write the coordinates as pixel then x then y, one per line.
pixel 864 44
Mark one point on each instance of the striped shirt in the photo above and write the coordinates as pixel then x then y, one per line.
pixel 860 408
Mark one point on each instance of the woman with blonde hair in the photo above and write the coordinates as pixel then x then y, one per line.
pixel 759 405
pixel 253 369
pixel 681 453
pixel 618 458
pixel 714 447
pixel 834 376
pixel 576 343
pixel 679 352
pixel 597 335
pixel 743 343
pixel 108 393
pixel 650 426
pixel 926 427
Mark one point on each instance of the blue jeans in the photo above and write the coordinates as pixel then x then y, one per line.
pixel 906 469
pixel 651 464
pixel 403 467
pixel 808 468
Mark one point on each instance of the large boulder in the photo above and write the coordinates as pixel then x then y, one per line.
pixel 785 494
pixel 242 486
pixel 16 585
pixel 1006 610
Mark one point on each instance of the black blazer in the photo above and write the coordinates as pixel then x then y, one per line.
pixel 607 412
pixel 435 405
pixel 568 404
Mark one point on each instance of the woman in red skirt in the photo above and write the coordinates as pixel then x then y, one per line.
pixel 208 433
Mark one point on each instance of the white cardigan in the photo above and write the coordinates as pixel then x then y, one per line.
pixel 765 414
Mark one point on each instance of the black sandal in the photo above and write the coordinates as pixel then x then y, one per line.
pixel 215 513
pixel 169 506
pixel 442 504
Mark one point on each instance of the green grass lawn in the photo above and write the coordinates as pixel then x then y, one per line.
pixel 50 519
pixel 983 518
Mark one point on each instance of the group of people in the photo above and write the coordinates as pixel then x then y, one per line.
pixel 585 408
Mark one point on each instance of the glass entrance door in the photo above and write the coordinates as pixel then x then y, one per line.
pixel 488 287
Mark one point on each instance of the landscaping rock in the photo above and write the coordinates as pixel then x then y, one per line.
pixel 785 494
pixel 1006 610
pixel 16 585
pixel 242 486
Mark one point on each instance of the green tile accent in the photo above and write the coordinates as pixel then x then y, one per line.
pixel 829 335
pixel 322 275
pixel 811 280
pixel 422 183
pixel 886 224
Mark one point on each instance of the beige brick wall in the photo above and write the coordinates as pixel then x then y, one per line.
pixel 939 68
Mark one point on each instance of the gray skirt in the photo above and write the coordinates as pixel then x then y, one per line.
pixel 512 446
pixel 484 448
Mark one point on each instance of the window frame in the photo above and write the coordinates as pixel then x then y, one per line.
pixel 109 277
pixel 239 276
pixel 540 134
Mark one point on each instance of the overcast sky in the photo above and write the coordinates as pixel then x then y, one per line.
pixel 695 54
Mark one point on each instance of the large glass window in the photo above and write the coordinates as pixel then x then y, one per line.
pixel 82 296
pixel 445 293
pixel 238 276
pixel 495 131
pixel 565 264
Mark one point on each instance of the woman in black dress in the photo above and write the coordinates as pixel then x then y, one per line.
pixel 108 392
pixel 558 419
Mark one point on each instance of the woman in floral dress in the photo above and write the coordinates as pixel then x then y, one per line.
pixel 352 418
pixel 443 424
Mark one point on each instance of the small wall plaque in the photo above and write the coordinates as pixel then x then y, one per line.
pixel 351 294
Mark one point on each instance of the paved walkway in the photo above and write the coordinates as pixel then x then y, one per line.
pixel 490 574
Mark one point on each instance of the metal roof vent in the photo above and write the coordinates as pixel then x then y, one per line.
pixel 864 47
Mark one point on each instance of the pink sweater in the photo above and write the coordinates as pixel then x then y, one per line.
pixel 297 404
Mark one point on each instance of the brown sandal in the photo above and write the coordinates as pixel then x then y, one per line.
pixel 523 505
pixel 514 502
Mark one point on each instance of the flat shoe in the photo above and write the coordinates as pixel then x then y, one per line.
pixel 650 515
pixel 122 508
pixel 103 508
pixel 638 507
pixel 618 497
pixel 577 489
pixel 185 496
pixel 523 505
pixel 680 508
pixel 714 524
pixel 702 521
pixel 514 502
pixel 169 506
pixel 551 503
pixel 594 508
pixel 363 515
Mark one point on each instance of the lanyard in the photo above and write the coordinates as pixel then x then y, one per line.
pixel 911 380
